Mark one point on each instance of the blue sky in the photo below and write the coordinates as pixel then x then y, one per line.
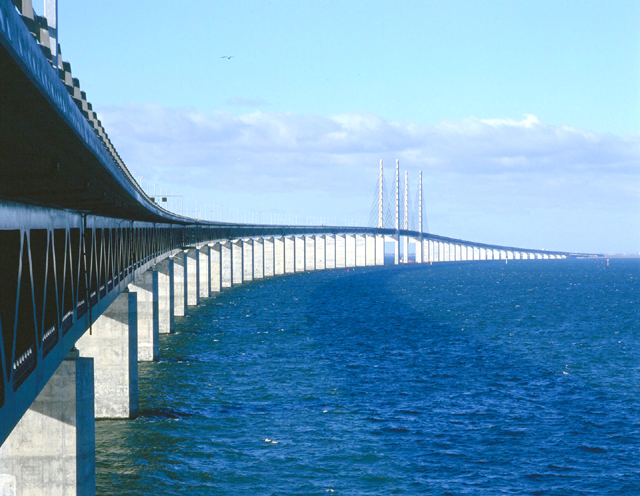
pixel 524 116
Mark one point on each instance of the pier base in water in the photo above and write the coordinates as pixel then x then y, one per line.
pixel 52 449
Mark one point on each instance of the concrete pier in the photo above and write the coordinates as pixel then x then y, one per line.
pixel 360 251
pixel 289 255
pixel 146 287
pixel 113 344
pixel 309 253
pixel 279 251
pixel 165 296
pixel 237 257
pixel 192 281
pixel 247 260
pixel 330 251
pixel 52 449
pixel 396 249
pixel 204 274
pixel 269 257
pixel 215 267
pixel 418 251
pixel 321 252
pixel 379 249
pixel 258 258
pixel 350 250
pixel 299 250
pixel 226 251
pixel 179 277
pixel 405 249
pixel 370 250
pixel 341 251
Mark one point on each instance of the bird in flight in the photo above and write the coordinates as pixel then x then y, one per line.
pixel 228 57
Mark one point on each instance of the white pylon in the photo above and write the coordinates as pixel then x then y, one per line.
pixel 396 244
pixel 380 201
pixel 397 194
pixel 405 245
pixel 420 204
pixel 406 200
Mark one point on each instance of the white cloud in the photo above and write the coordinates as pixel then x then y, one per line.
pixel 495 180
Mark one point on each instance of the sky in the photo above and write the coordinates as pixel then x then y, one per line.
pixel 524 117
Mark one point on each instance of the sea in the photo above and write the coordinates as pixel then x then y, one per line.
pixel 459 378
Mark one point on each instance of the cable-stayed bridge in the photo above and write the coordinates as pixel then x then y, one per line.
pixel 94 269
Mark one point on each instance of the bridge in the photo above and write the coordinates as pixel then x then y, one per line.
pixel 94 270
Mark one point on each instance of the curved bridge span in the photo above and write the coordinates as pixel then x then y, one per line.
pixel 90 263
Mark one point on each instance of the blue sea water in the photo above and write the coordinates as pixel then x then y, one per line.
pixel 456 378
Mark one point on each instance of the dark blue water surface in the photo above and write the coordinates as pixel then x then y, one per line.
pixel 456 378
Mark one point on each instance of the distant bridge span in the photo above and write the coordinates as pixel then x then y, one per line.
pixel 83 248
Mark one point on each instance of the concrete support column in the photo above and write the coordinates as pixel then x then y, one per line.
pixel 299 248
pixel 418 250
pixel 341 251
pixel 179 277
pixel 396 250
pixel 379 240
pixel 52 448
pixel 405 249
pixel 193 277
pixel 204 273
pixel 321 252
pixel 247 260
pixel 215 267
pixel 279 250
pixel 370 249
pixel 309 253
pixel 350 250
pixel 269 257
pixel 330 251
pixel 258 258
pixel 226 264
pixel 360 250
pixel 165 295
pixel 113 344
pixel 289 255
pixel 237 257
pixel 146 287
